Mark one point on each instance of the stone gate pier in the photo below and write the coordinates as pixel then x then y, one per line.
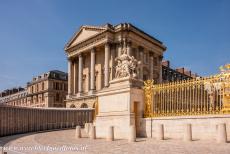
pixel 120 105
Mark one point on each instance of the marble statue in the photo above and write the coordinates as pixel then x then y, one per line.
pixel 126 66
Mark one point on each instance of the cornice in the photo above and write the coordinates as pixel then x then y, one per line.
pixel 102 35
pixel 100 38
pixel 87 41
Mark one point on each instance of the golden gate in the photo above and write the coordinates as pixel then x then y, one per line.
pixel 209 95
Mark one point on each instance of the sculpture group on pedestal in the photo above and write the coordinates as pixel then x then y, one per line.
pixel 126 66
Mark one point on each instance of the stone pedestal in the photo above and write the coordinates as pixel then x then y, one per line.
pixel 222 133
pixel 132 133
pixel 92 133
pixel 160 132
pixel 120 105
pixel 78 132
pixel 110 136
pixel 188 132
pixel 87 128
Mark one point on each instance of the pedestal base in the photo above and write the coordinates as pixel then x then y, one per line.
pixel 121 124
pixel 119 105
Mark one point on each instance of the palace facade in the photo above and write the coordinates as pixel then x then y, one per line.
pixel 170 75
pixel 14 96
pixel 46 90
pixel 92 54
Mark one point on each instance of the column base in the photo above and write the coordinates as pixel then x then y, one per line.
pixel 69 96
pixel 91 92
pixel 79 94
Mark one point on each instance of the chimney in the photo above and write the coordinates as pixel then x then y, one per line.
pixel 166 63
pixel 188 72
pixel 181 70
pixel 194 75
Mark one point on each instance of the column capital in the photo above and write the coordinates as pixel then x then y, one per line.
pixel 93 49
pixel 108 44
pixel 119 43
pixel 151 54
pixel 141 49
pixel 161 57
pixel 80 55
pixel 69 59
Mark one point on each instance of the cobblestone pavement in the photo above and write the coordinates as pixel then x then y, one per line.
pixel 66 139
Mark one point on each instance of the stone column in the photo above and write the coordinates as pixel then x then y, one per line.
pixel 106 68
pixel 92 70
pixel 69 77
pixel 75 77
pixel 88 80
pixel 80 73
pixel 113 56
pixel 119 49
pixel 129 48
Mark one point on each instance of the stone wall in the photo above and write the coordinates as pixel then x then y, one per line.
pixel 16 120
pixel 203 127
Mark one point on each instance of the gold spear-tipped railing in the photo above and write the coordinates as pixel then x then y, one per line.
pixel 209 95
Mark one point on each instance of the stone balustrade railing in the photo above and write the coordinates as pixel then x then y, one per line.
pixel 16 120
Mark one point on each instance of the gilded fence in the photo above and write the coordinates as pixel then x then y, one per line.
pixel 209 95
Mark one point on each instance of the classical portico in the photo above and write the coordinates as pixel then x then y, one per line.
pixel 92 52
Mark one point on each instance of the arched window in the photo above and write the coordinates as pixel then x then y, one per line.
pixel 84 105
pixel 72 106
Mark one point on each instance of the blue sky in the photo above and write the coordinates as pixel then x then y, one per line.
pixel 33 32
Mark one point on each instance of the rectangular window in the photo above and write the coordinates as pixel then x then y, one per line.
pixel 65 87
pixel 37 88
pixel 43 85
pixel 43 97
pixel 54 85
pixel 57 97
pixel 60 86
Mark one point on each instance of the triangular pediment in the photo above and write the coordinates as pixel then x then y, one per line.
pixel 84 33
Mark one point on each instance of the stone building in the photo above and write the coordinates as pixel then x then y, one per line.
pixel 46 90
pixel 15 96
pixel 169 74
pixel 92 52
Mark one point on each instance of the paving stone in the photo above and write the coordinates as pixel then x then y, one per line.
pixel 101 146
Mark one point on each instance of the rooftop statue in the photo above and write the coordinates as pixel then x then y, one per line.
pixel 225 69
pixel 126 66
